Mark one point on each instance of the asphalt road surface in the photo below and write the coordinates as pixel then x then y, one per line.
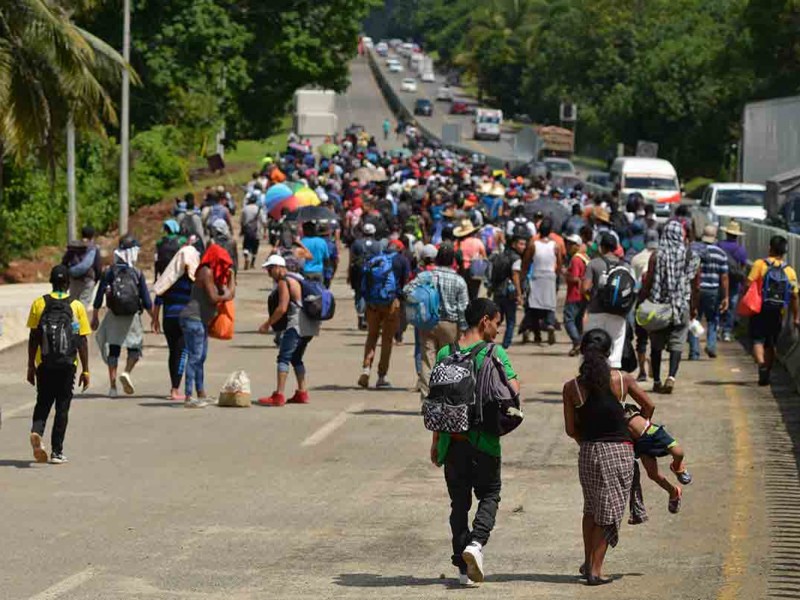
pixel 337 499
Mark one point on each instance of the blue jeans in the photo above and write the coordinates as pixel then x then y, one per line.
pixel 709 309
pixel 729 318
pixel 508 308
pixel 195 337
pixel 291 352
pixel 573 321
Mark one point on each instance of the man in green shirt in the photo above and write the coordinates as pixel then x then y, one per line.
pixel 472 460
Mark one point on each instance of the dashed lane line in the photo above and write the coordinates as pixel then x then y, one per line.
pixel 65 585
pixel 331 426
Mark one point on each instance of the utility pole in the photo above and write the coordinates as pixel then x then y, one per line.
pixel 125 120
pixel 72 207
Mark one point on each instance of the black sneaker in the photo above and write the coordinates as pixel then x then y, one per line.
pixel 763 376
pixel 551 337
pixel 711 353
pixel 658 387
pixel 642 377
pixel 58 458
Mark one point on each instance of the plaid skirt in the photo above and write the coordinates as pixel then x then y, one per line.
pixel 606 474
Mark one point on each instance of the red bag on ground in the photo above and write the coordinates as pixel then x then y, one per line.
pixel 221 326
pixel 750 304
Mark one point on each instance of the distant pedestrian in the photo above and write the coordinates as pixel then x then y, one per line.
pixel 221 234
pixel 473 256
pixel 361 251
pixel 737 274
pixel 320 253
pixel 714 287
pixel 778 281
pixel 542 261
pixel 251 230
pixel 575 302
pixel 214 283
pixel 472 460
pixel 594 281
pixel 673 278
pixel 506 284
pixel 59 330
pixel 452 302
pixel 83 260
pixel 640 265
pixel 387 127
pixel 124 290
pixel 594 417
pixel 297 331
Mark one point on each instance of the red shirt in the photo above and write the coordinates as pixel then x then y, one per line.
pixel 577 268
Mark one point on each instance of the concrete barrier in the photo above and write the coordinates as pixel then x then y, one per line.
pixel 15 302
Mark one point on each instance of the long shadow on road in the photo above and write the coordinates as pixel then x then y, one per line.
pixel 372 580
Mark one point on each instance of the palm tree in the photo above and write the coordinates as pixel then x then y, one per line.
pixel 50 70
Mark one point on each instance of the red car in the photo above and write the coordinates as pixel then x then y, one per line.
pixel 460 108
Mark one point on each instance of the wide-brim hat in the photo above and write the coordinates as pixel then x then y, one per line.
pixel 733 228
pixel 466 228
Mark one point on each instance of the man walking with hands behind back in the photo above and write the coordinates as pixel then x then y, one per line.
pixel 59 328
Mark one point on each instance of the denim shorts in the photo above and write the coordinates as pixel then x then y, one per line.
pixel 655 442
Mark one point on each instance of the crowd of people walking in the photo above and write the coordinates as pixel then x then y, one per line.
pixel 445 248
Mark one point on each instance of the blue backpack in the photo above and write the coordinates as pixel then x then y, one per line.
pixel 379 285
pixel 422 304
pixel 777 290
pixel 318 301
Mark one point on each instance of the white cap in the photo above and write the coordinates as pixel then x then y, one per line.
pixel 574 239
pixel 275 260
pixel 369 229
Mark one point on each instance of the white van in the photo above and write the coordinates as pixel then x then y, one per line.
pixel 654 178
pixel 488 124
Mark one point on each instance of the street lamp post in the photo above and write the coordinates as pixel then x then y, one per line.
pixel 125 120
pixel 72 206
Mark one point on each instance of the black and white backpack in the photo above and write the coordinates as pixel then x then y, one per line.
pixel 450 405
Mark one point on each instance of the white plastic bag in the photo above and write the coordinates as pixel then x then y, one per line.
pixel 236 390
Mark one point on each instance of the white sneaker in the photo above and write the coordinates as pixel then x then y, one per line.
pixel 195 403
pixel 473 556
pixel 127 384
pixel 463 579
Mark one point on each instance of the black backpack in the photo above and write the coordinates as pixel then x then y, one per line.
pixel 499 272
pixel 450 405
pixel 737 272
pixel 59 349
pixel 617 289
pixel 166 249
pixel 123 294
pixel 250 229
pixel 520 229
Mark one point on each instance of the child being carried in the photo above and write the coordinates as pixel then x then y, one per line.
pixel 650 442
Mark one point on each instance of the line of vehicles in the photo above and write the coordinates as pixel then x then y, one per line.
pixel 654 178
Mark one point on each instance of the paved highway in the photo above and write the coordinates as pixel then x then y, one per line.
pixel 502 149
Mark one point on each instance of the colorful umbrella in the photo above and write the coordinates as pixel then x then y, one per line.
pixel 277 193
pixel 290 204
pixel 307 197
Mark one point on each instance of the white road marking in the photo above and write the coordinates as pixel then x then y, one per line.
pixel 65 585
pixel 10 414
pixel 331 426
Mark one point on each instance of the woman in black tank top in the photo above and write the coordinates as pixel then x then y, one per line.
pixel 594 417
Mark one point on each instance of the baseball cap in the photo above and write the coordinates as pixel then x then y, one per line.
pixel 574 239
pixel 429 252
pixel 651 239
pixel 59 275
pixel 275 260
pixel 369 229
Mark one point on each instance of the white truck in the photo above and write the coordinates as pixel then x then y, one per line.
pixel 488 124
pixel 426 70
pixel 740 201
pixel 654 178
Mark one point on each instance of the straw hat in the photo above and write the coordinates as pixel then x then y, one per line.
pixel 601 214
pixel 466 228
pixel 733 228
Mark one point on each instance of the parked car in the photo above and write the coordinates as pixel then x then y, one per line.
pixel 740 201
pixel 559 166
pixel 423 107
pixel 460 108
pixel 408 84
